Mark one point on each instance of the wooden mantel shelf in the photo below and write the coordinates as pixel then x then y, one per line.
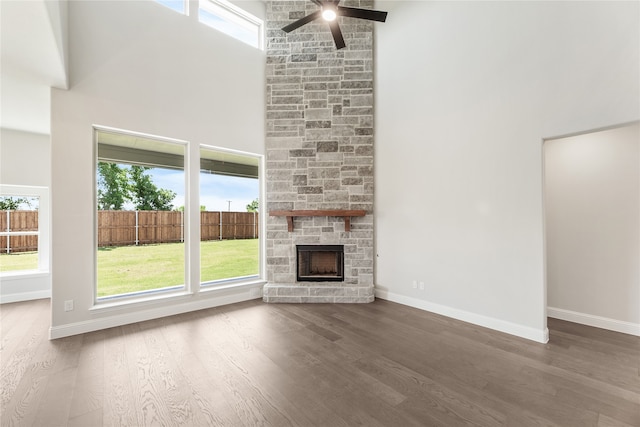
pixel 345 214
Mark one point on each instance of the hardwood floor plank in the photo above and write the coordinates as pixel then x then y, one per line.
pixel 24 373
pixel 15 319
pixel 621 411
pixel 148 393
pixel 22 410
pixel 87 419
pixel 604 421
pixel 212 404
pixel 445 404
pixel 55 404
pixel 119 407
pixel 328 365
pixel 324 385
pixel 88 391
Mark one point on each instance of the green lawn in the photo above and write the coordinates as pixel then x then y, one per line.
pixel 139 268
pixel 19 261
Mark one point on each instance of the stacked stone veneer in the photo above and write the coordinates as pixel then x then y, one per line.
pixel 319 149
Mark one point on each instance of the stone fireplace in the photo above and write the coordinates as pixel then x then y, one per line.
pixel 319 156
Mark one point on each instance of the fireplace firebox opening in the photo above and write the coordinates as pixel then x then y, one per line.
pixel 320 263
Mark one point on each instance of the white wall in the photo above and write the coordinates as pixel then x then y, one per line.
pixel 138 66
pixel 465 94
pixel 25 160
pixel 592 205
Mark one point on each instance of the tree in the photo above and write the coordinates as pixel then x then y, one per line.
pixel 12 203
pixel 113 186
pixel 145 195
pixel 119 184
pixel 203 208
pixel 253 206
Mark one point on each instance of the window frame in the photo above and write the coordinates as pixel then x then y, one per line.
pixel 229 282
pixel 192 286
pixel 151 294
pixel 43 233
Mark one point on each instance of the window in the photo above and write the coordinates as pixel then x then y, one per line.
pixel 229 204
pixel 146 243
pixel 140 198
pixel 24 229
pixel 233 21
pixel 177 5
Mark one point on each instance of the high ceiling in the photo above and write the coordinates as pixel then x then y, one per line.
pixel 33 40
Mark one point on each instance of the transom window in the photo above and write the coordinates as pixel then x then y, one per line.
pixel 179 6
pixel 226 17
pixel 233 21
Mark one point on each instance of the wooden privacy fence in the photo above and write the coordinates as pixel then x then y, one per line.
pixel 18 231
pixel 125 228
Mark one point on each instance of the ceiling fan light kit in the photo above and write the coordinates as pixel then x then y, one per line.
pixel 329 11
pixel 329 14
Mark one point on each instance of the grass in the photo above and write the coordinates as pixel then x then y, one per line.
pixel 18 261
pixel 139 268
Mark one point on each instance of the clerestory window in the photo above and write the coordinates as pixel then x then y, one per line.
pixel 233 21
pixel 179 6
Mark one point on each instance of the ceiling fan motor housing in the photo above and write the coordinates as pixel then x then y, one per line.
pixel 329 11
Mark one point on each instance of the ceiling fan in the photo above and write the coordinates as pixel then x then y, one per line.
pixel 329 11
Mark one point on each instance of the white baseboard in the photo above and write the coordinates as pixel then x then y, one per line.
pixel 541 336
pixel 150 314
pixel 595 321
pixel 24 296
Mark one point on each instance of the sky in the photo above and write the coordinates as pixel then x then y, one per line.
pixel 215 190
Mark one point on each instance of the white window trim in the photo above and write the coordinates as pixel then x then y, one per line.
pixel 150 295
pixel 44 247
pixel 261 275
pixel 193 286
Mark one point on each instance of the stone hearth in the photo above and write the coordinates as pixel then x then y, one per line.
pixel 319 150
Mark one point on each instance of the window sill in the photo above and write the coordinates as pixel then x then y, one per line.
pixel 225 285
pixel 23 274
pixel 126 302
pixel 215 287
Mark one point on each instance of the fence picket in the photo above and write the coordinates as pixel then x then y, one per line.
pixel 125 228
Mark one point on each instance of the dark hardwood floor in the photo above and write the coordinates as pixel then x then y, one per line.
pixel 252 364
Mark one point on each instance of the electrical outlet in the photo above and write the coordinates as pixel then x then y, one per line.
pixel 68 305
pixel 422 286
pixel 414 285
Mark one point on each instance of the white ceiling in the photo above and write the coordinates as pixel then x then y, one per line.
pixel 32 41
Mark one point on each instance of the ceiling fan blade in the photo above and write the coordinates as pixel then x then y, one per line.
pixel 337 34
pixel 371 15
pixel 300 22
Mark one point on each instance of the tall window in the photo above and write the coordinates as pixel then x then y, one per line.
pixel 24 229
pixel 233 21
pixel 140 198
pixel 229 199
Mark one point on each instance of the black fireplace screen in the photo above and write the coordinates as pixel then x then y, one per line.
pixel 320 263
